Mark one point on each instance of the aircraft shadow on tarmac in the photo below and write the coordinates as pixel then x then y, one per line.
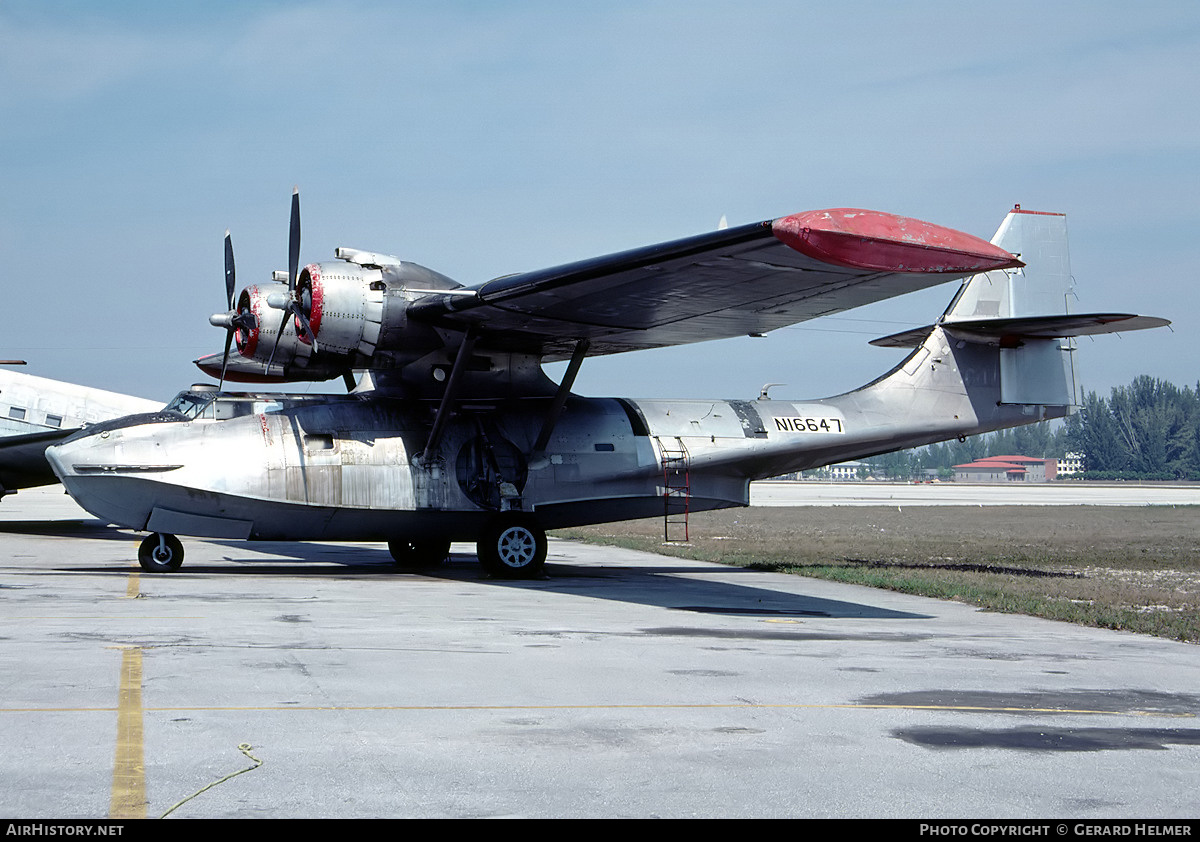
pixel 666 586
pixel 73 528
pixel 677 584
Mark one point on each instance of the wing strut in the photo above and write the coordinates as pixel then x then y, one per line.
pixel 443 413
pixel 560 397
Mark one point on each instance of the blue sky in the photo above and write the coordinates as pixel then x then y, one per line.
pixel 486 138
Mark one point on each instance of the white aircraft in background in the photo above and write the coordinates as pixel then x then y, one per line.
pixel 36 412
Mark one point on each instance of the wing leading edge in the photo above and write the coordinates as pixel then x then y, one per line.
pixel 23 459
pixel 732 282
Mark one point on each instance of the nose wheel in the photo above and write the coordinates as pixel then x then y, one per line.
pixel 160 553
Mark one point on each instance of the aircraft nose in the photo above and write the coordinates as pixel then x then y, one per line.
pixel 112 490
pixel 54 457
pixel 72 458
pixel 72 453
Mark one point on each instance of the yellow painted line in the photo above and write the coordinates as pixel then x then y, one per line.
pixel 133 586
pixel 128 799
pixel 715 706
pixel 74 617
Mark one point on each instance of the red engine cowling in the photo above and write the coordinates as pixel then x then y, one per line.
pixel 355 314
pixel 344 305
pixel 270 337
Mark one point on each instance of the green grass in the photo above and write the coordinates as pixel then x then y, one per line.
pixel 1130 568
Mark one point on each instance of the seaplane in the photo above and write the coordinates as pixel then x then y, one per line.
pixel 453 431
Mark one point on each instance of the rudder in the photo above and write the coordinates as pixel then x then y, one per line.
pixel 1042 287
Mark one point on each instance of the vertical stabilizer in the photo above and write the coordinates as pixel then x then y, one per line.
pixel 1041 288
pixel 1033 370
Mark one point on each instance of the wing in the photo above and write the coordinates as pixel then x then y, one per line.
pixel 23 459
pixel 733 282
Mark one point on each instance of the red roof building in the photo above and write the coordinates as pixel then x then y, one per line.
pixel 1007 469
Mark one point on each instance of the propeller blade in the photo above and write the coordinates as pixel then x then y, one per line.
pixel 279 336
pixel 230 274
pixel 230 284
pixel 294 241
pixel 305 327
pixel 225 358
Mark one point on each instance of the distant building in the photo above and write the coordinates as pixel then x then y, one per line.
pixel 1007 469
pixel 849 470
pixel 1070 464
pixel 841 472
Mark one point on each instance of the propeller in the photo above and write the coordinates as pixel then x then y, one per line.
pixel 232 319
pixel 244 318
pixel 230 284
pixel 291 305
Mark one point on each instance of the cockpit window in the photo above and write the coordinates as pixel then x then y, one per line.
pixel 222 406
pixel 190 404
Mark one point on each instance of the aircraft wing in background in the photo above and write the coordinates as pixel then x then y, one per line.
pixel 36 412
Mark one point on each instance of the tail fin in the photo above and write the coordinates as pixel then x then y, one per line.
pixel 1042 287
pixel 1025 313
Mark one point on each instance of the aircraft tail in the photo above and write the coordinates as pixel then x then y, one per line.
pixel 1042 287
pixel 1025 313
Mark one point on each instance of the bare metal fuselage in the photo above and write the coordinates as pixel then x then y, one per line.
pixel 356 467
pixel 465 438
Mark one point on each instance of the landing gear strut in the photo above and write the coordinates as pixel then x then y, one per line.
pixel 160 553
pixel 513 546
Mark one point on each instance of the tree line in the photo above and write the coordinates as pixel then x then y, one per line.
pixel 1149 429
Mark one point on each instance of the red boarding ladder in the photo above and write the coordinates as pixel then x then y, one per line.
pixel 677 491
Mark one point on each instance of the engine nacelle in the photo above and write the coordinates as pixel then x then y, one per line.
pixel 356 313
pixel 356 309
pixel 269 337
pixel 344 305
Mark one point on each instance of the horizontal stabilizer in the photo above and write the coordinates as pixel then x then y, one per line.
pixel 1012 330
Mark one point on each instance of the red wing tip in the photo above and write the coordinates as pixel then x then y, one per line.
pixel 878 241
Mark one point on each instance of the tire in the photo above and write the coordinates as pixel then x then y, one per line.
pixel 513 547
pixel 160 557
pixel 420 554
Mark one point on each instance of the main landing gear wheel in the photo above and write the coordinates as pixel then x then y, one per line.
pixel 513 547
pixel 419 554
pixel 160 553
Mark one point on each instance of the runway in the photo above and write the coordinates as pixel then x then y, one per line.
pixel 624 684
pixel 973 494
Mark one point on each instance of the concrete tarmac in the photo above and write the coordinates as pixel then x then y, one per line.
pixel 623 684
